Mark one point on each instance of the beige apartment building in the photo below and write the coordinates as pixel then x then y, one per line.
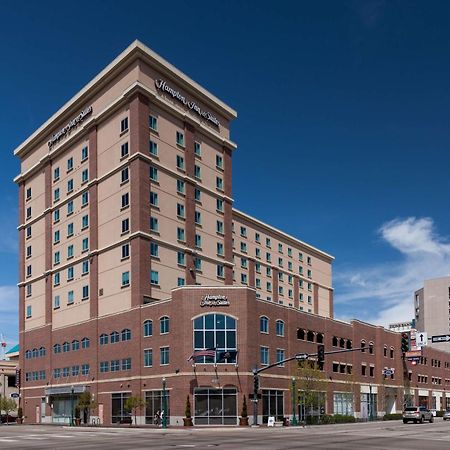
pixel 125 194
pixel 432 310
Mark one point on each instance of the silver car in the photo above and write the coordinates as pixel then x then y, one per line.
pixel 446 415
pixel 417 414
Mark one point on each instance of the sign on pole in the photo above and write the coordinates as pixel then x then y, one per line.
pixel 440 338
pixel 421 339
pixel 14 395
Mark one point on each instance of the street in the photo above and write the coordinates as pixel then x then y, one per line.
pixel 375 435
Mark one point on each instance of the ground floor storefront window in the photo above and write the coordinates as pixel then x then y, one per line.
pixel 423 400
pixel 343 403
pixel 447 403
pixel 273 404
pixel 118 412
pixel 63 408
pixel 215 406
pixel 155 406
pixel 369 406
pixel 311 404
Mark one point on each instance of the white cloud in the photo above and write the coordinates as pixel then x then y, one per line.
pixel 383 293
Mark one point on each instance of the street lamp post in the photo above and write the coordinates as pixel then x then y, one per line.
pixel 72 389
pixel 294 401
pixel 164 404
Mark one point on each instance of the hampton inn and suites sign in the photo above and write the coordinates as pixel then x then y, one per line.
pixel 214 300
pixel 163 86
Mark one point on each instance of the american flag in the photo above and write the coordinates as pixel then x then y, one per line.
pixel 211 352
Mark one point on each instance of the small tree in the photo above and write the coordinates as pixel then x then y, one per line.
pixel 187 411
pixel 132 404
pixel 7 405
pixel 86 404
pixel 244 408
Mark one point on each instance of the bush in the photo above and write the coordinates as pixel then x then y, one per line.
pixel 340 418
pixel 396 416
pixel 439 413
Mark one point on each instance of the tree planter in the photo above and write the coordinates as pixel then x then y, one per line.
pixel 187 422
pixel 19 420
pixel 243 421
pixel 78 422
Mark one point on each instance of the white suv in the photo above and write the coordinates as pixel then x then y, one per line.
pixel 417 414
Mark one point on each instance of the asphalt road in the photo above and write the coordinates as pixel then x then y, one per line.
pixel 375 435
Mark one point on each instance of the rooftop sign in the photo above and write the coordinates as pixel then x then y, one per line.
pixel 68 128
pixel 214 300
pixel 163 86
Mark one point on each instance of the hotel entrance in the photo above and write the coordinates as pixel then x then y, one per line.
pixel 215 406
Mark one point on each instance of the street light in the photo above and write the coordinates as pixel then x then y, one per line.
pixel 164 404
pixel 294 401
pixel 72 389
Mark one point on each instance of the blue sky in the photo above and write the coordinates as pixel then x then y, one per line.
pixel 342 131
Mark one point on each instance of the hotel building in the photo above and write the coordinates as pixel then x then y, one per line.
pixel 132 257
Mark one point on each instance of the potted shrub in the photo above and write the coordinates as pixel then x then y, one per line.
pixel 77 416
pixel 187 421
pixel 243 420
pixel 19 415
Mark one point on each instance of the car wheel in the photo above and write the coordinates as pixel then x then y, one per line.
pixel 405 421
pixel 421 420
pixel 432 419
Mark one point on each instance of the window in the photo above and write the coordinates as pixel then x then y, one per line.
pixel 28 193
pixel 85 267
pixel 197 172
pixel 264 351
pixel 84 176
pixel 180 234
pixel 125 279
pixel 197 149
pixel 180 210
pixel 180 162
pixel 124 175
pixel 269 286
pixel 244 263
pixel 268 242
pixel 153 198
pixel 154 277
pixel 153 123
pixel 279 326
pixel 85 245
pixel 126 334
pixel 154 249
pixel 198 264
pixel 198 241
pixel 115 365
pixel 198 217
pixel 181 259
pixel 154 224
pixel 28 289
pixel 56 302
pixel 56 216
pixel 280 357
pixel 56 279
pixel 219 205
pixel 85 343
pixel 219 161
pixel 268 257
pixel 69 251
pixel 70 273
pixel 28 311
pixel 66 347
pixel 264 324
pixel 243 247
pixel 69 164
pixel 85 293
pixel 104 339
pixel 69 186
pixel 56 195
pixel 219 183
pixel 69 208
pixel 148 328
pixel 69 229
pixel 216 331
pixel 104 366
pixel 125 251
pixel 220 271
pixel 125 225
pixel 153 148
pixel 125 200
pixel 124 125
pixel 165 355
pixel 124 150
pixel 181 281
pixel 164 325
pixel 153 173
pixel 219 227
pixel 180 186
pixel 243 278
pixel 84 153
pixel 70 298
pixel 197 195
pixel 220 249
pixel 148 357
pixel 180 138
pixel 29 212
pixel 84 222
pixel 56 174
pixel 57 348
pixel 29 270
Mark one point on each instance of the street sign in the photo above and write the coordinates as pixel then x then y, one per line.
pixel 421 339
pixel 301 356
pixel 14 395
pixel 441 338
pixel 413 354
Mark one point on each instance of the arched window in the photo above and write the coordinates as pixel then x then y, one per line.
pixel 114 337
pixel 301 334
pixel 35 353
pixel 215 331
pixel 164 325
pixel 391 352
pixel 342 342
pixel 28 354
pixel 348 344
pixel 75 345
pixel 385 351
pixel 310 336
pixel 264 324
pixel 363 346
pixel 335 341
pixel 42 351
pixel 85 342
pixel 66 347
pixel 57 348
pixel 279 328
pixel 319 338
pixel 148 328
pixel 126 334
pixel 371 348
pixel 104 339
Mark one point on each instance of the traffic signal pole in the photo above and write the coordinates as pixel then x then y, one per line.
pixel 298 357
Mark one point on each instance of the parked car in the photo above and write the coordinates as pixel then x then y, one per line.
pixel 417 414
pixel 7 418
pixel 446 415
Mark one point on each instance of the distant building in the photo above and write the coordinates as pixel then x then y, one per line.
pixel 8 373
pixel 399 327
pixel 432 309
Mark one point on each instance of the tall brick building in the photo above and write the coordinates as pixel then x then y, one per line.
pixel 132 258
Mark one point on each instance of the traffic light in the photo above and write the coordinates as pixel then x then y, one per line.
pixel 320 355
pixel 255 383
pixel 405 342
